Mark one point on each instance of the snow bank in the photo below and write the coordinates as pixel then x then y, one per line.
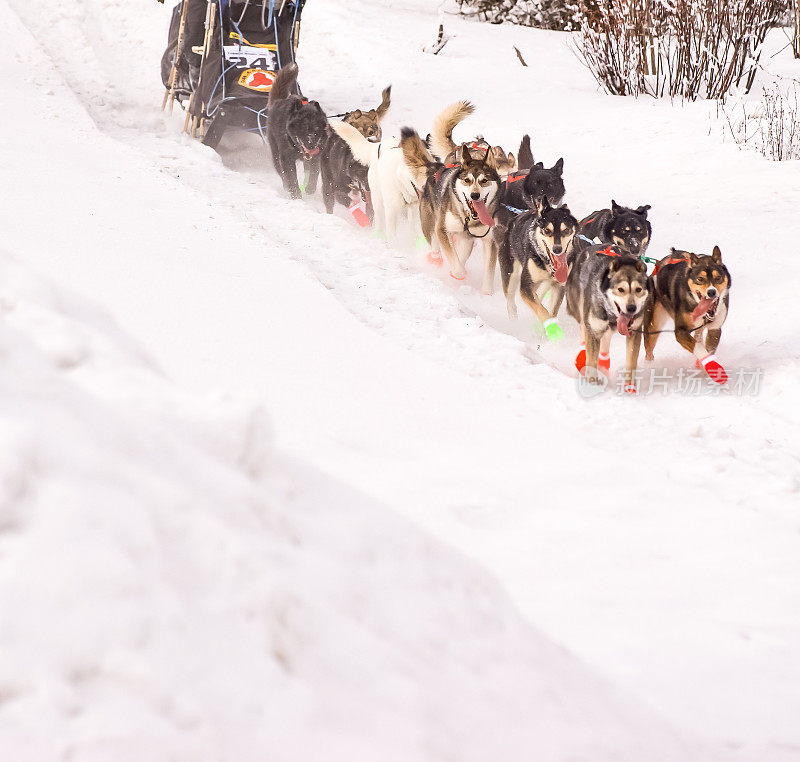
pixel 172 588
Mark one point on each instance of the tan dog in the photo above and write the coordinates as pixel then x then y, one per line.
pixel 368 123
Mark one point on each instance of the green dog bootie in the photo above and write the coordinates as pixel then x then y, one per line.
pixel 553 330
pixel 421 243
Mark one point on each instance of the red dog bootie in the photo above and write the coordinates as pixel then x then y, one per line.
pixel 715 371
pixel 435 258
pixel 580 360
pixel 603 361
pixel 359 215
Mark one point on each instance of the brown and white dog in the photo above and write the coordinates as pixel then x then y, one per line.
pixel 693 290
pixel 457 205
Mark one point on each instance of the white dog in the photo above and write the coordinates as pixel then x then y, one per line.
pixel 390 182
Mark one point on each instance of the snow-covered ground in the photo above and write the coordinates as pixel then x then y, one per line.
pixel 271 489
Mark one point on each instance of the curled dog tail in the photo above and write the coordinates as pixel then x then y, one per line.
pixel 416 155
pixel 283 84
pixel 525 154
pixel 442 134
pixel 364 152
pixel 386 101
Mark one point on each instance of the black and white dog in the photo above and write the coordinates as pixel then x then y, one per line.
pixel 297 129
pixel 534 253
pixel 627 228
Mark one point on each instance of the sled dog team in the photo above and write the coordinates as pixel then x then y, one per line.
pixel 476 191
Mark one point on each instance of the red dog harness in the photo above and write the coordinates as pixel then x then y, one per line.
pixel 670 261
pixel 446 166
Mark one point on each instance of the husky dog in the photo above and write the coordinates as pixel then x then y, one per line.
pixel 629 229
pixel 456 206
pixel 442 145
pixel 694 291
pixel 297 129
pixel 368 123
pixel 342 176
pixel 526 189
pixel 535 253
pixel 391 185
pixel 608 291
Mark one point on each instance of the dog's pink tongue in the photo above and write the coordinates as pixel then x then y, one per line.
pixel 483 213
pixel 562 269
pixel 624 325
pixel 703 306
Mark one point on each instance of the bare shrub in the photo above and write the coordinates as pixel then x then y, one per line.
pixel 769 125
pixel 686 48
pixel 544 14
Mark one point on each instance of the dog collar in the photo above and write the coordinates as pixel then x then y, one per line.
pixel 515 210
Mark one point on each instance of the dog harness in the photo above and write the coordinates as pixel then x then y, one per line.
pixel 670 261
pixel 515 178
pixel 446 166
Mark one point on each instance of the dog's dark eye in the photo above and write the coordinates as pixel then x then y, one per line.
pixel 701 281
pixel 638 290
pixel 620 289
pixel 719 279
pixel 484 181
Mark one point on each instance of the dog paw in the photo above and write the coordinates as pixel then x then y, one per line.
pixel 435 258
pixel 630 389
pixel 461 276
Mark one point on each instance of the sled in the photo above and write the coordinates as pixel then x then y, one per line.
pixel 221 59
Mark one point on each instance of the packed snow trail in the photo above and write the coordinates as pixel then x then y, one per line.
pixel 657 538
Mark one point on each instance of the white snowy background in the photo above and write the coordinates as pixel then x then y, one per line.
pixel 272 490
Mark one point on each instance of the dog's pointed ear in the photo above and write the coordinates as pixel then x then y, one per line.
pixel 716 255
pixel 641 265
pixel 544 205
pixel 539 165
pixel 558 167
pixel 355 114
pixel 693 258
pixel 615 207
pixel 512 160
pixel 386 101
pixel 642 210
pixel 465 154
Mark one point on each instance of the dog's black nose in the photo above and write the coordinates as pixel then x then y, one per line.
pixel 557 249
pixel 475 196
pixel 711 293
pixel 632 308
